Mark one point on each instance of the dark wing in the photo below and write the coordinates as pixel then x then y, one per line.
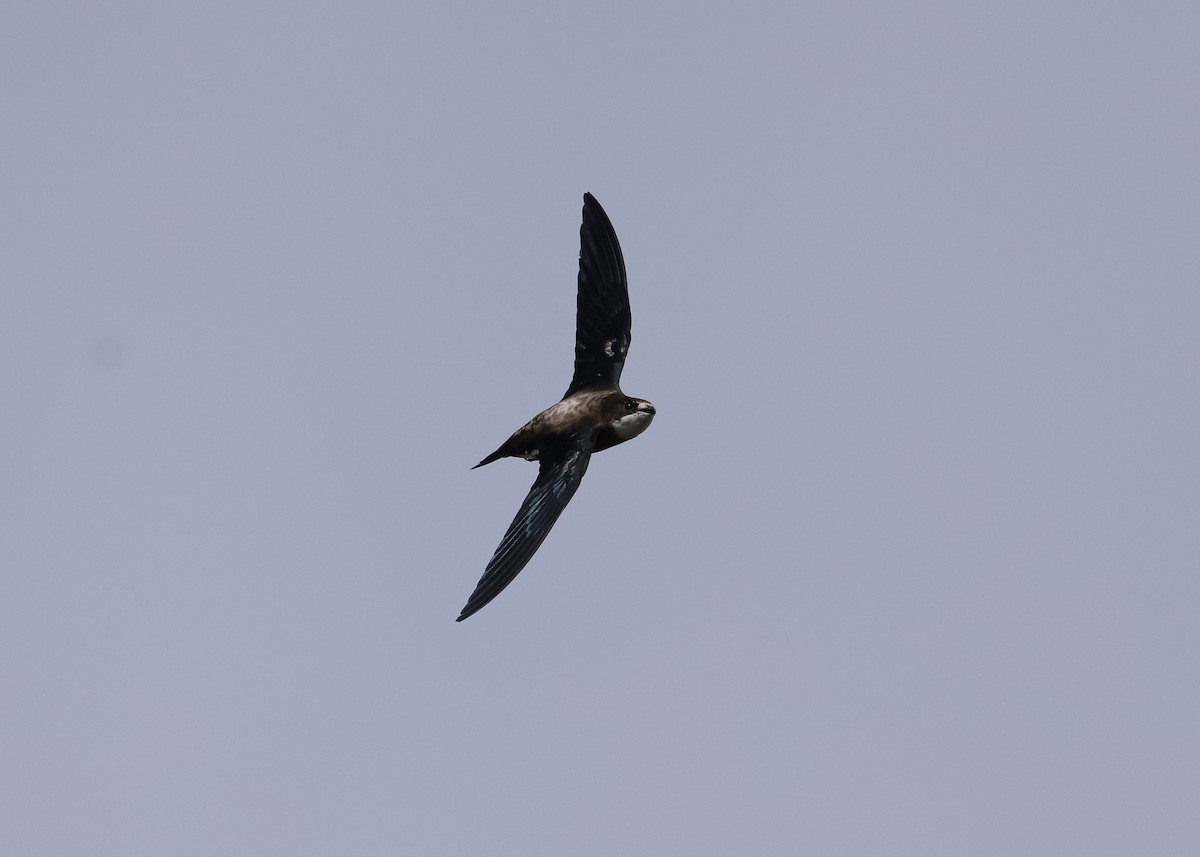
pixel 563 464
pixel 602 320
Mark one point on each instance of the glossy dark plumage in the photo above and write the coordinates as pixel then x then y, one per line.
pixel 603 323
pixel 559 474
pixel 593 414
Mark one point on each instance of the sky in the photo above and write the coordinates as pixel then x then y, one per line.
pixel 907 564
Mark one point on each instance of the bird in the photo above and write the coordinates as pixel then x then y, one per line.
pixel 592 415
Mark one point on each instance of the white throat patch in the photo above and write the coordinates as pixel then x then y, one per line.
pixel 631 425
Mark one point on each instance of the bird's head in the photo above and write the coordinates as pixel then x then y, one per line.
pixel 627 415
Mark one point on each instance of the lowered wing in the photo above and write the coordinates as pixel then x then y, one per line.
pixel 563 463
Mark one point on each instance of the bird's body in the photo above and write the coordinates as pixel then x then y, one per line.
pixel 610 413
pixel 593 415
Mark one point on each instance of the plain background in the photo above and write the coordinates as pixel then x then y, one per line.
pixel 908 564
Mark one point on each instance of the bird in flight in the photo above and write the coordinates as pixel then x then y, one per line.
pixel 593 415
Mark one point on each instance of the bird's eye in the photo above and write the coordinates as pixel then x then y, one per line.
pixel 630 404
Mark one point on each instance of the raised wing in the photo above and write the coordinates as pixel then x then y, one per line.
pixel 602 319
pixel 563 464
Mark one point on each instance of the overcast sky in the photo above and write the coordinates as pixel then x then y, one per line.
pixel 907 564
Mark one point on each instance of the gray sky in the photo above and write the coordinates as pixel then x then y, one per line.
pixel 907 564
